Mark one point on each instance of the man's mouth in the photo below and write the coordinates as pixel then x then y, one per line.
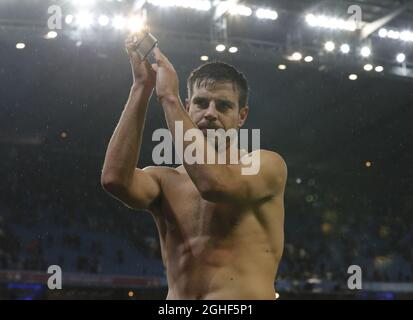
pixel 206 128
pixel 204 131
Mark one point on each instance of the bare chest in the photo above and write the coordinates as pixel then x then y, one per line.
pixel 188 216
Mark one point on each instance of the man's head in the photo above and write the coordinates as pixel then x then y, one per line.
pixel 217 96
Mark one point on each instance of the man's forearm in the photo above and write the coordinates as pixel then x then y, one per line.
pixel 124 147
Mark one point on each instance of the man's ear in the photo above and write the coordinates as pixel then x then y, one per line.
pixel 243 115
pixel 187 105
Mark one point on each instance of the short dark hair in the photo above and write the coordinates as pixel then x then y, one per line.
pixel 219 71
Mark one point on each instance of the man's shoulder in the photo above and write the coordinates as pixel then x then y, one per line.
pixel 269 158
pixel 273 169
pixel 161 171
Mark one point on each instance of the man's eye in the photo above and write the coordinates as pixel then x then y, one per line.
pixel 224 106
pixel 201 103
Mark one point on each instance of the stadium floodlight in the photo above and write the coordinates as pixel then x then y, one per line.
pixel 69 19
pixel 220 48
pixel 119 22
pixel 365 52
pixel 383 33
pixel 233 50
pixel 323 21
pixel 329 46
pixel 84 19
pixel 406 35
pixel 104 20
pixel 83 3
pixel 296 56
pixel 201 5
pixel 345 48
pixel 50 35
pixel 162 3
pixel 241 10
pixel 136 23
pixel 401 57
pixel 393 34
pixel 311 20
pixel 368 67
pixel 20 46
pixel 308 59
pixel 266 14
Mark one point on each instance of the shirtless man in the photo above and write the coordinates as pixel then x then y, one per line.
pixel 221 232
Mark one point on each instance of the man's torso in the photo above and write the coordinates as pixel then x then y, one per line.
pixel 217 250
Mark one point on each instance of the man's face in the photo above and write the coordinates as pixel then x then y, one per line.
pixel 216 106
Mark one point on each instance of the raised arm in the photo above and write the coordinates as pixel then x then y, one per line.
pixel 135 187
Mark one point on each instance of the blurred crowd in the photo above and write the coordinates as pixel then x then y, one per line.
pixel 325 234
pixel 92 233
pixel 79 231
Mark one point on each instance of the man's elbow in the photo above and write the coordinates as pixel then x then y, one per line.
pixel 111 184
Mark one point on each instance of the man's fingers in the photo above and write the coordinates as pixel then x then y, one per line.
pixel 130 44
pixel 155 67
pixel 134 56
pixel 148 66
pixel 160 57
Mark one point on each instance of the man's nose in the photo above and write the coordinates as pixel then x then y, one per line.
pixel 211 113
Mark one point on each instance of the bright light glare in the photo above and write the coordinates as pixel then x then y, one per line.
pixel 119 22
pixel 69 19
pixel 202 5
pixel 135 24
pixel 329 46
pixel 345 48
pixel 240 10
pixel 393 34
pixel 83 3
pixel 365 52
pixel 51 35
pixel 266 14
pixel 368 67
pixel 296 56
pixel 220 48
pixel 20 46
pixel 330 22
pixel 84 20
pixel 401 57
pixel 383 33
pixel 104 20
pixel 308 59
